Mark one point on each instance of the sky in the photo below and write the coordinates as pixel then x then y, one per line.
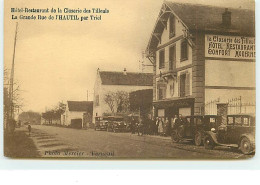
pixel 58 60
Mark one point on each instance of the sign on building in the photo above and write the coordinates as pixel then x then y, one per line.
pixel 238 47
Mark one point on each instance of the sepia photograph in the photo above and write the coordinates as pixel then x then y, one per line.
pixel 129 80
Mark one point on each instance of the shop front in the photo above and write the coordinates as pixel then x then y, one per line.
pixel 170 108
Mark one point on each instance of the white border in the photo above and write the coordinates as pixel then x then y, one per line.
pixel 11 164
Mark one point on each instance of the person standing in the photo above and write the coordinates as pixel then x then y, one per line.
pixel 140 127
pixel 133 123
pixel 156 126
pixel 29 129
pixel 160 127
pixel 175 121
pixel 166 127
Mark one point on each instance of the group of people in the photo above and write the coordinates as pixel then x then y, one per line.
pixel 154 126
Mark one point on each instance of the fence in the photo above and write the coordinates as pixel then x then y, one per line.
pixel 235 106
pixel 211 107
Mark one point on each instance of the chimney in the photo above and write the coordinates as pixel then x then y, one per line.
pixel 124 71
pixel 226 18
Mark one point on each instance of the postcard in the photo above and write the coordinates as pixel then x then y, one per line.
pixel 129 80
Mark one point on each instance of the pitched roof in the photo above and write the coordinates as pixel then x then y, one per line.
pixel 130 78
pixel 204 17
pixel 80 106
pixel 197 17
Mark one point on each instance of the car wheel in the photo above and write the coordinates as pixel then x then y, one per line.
pixel 198 139
pixel 209 143
pixel 245 145
pixel 174 136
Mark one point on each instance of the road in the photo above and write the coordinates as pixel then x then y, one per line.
pixel 59 142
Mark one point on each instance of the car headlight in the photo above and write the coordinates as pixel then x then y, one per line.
pixel 213 130
pixel 125 124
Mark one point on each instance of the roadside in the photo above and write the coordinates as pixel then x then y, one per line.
pixel 19 145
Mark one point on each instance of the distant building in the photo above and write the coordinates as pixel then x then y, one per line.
pixel 111 81
pixel 77 114
pixel 201 54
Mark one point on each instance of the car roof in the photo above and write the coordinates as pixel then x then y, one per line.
pixel 203 116
pixel 242 114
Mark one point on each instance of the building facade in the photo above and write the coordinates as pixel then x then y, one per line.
pixel 201 54
pixel 76 112
pixel 108 82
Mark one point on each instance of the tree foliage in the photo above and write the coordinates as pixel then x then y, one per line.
pixel 117 101
pixel 55 113
pixel 30 117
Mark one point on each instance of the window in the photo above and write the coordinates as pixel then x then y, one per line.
pixel 238 120
pixel 184 50
pixel 161 92
pixel 246 121
pixel 172 57
pixel 172 26
pixel 230 120
pixel 172 89
pixel 161 59
pixel 184 85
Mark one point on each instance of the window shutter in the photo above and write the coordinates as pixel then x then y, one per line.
pixel 179 86
pixel 187 84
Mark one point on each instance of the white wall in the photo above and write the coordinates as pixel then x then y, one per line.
pixel 229 73
pixel 165 39
pixel 69 115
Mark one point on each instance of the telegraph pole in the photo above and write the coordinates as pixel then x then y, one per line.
pixel 11 113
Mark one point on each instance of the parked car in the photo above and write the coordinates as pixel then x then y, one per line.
pixel 116 124
pixel 193 128
pixel 101 123
pixel 239 132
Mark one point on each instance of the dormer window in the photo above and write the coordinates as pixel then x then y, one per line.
pixel 172 26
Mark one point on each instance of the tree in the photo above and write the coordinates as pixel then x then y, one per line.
pixel 122 101
pixel 54 113
pixel 11 103
pixel 30 116
pixel 117 101
pixel 109 100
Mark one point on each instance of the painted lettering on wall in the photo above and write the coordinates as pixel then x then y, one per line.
pixel 230 46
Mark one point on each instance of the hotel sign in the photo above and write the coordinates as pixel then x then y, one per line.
pixel 237 47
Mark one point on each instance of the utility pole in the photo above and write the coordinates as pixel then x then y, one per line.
pixel 11 113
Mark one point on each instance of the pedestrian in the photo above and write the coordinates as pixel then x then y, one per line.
pixel 140 128
pixel 145 126
pixel 156 126
pixel 160 127
pixel 29 129
pixel 150 124
pixel 175 121
pixel 133 123
pixel 166 127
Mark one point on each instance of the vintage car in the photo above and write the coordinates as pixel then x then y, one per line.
pixel 116 124
pixel 101 123
pixel 193 128
pixel 239 132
